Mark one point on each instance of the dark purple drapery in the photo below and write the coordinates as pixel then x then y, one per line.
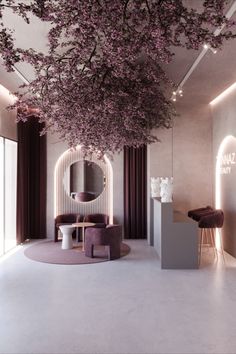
pixel 31 181
pixel 135 192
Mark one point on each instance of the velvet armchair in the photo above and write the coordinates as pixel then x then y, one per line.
pixel 110 237
pixel 65 219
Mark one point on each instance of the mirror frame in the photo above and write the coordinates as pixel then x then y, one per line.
pixel 69 194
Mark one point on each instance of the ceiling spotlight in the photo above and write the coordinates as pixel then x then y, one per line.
pixel 174 99
pixel 208 46
pixel 174 93
pixel 214 50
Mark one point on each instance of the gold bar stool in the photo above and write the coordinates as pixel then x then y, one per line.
pixel 208 223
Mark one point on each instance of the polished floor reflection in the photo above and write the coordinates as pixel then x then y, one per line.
pixel 124 306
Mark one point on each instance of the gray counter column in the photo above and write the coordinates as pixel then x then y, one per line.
pixel 175 237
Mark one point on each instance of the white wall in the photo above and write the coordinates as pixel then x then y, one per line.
pixel 8 127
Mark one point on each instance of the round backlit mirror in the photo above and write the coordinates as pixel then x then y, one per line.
pixel 84 181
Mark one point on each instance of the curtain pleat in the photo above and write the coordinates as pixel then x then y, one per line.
pixel 135 192
pixel 31 181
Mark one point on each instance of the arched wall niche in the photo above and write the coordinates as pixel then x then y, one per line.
pixel 63 204
pixel 225 192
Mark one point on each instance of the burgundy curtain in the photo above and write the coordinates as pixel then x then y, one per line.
pixel 31 181
pixel 135 192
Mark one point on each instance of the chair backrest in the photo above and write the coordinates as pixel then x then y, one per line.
pixel 195 212
pixel 106 235
pixel 212 220
pixel 97 218
pixel 67 218
pixel 115 230
pixel 84 196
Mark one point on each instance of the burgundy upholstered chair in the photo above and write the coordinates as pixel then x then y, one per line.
pixel 101 220
pixel 110 236
pixel 65 219
pixel 196 214
pixel 212 220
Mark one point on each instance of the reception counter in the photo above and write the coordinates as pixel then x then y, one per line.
pixel 175 237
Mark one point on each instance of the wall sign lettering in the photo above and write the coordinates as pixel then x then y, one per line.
pixel 226 163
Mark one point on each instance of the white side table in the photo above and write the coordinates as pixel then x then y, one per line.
pixel 67 242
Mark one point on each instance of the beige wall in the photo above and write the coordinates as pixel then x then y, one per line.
pixel 187 153
pixel 189 159
pixel 224 125
pixel 192 156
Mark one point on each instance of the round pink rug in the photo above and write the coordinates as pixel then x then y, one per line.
pixel 51 252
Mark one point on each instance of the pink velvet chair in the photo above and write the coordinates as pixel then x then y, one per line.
pixel 101 220
pixel 110 237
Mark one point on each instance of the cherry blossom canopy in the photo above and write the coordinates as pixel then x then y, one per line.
pixel 101 83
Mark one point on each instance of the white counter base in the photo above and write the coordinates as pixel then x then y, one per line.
pixel 175 237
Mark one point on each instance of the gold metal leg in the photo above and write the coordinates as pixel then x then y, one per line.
pixel 208 235
pixel 213 243
pixel 208 241
pixel 221 245
pixel 200 247
pixel 83 239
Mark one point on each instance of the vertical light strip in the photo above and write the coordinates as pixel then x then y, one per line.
pixel 57 177
pixel 110 193
pixel 218 191
pixel 4 193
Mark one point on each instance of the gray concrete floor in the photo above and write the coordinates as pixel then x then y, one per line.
pixel 124 306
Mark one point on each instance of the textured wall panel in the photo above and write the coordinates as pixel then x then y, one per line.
pixel 64 204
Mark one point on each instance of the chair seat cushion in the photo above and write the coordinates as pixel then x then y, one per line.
pixel 196 214
pixel 212 220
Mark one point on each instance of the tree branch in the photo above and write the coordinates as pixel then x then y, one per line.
pixel 148 7
pixel 90 58
pixel 125 9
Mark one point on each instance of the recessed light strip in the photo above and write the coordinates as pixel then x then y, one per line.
pixel 18 73
pixel 228 15
pixel 223 94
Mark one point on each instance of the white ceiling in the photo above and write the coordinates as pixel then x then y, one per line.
pixel 214 73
